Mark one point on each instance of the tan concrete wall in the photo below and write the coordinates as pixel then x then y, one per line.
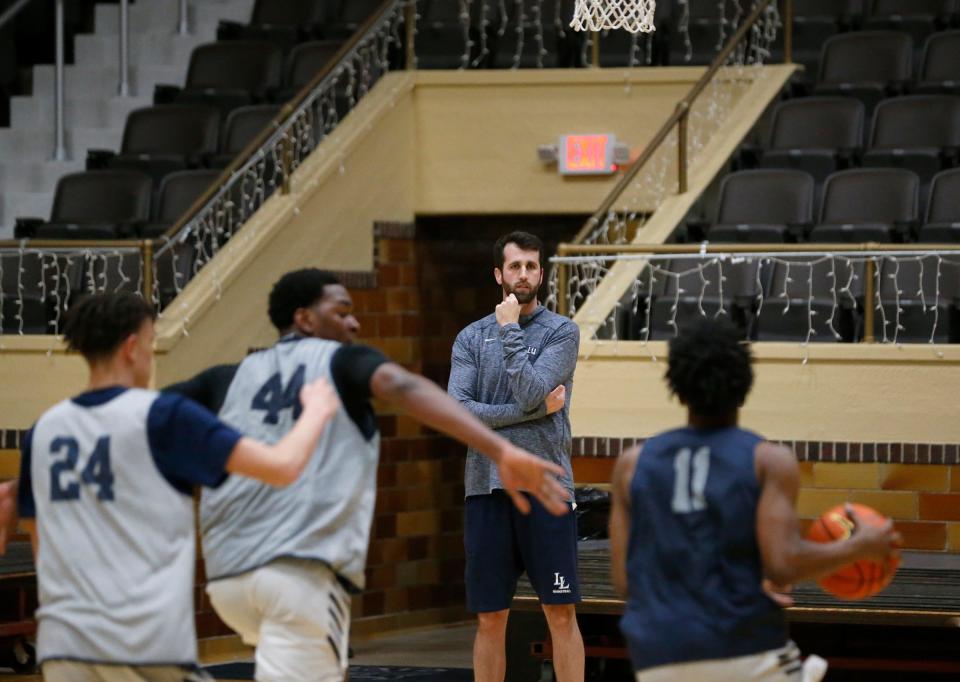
pixel 478 133
pixel 855 393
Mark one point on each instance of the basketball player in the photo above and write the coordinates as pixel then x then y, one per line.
pixel 701 516
pixel 514 370
pixel 106 494
pixel 282 563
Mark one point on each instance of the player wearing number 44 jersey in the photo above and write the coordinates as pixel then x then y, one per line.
pixel 281 563
pixel 106 495
pixel 701 517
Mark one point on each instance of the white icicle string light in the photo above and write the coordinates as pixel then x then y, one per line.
pixel 877 265
pixel 465 25
pixel 936 300
pixel 538 35
pixel 833 294
pixel 484 37
pixel 521 19
pixel 20 271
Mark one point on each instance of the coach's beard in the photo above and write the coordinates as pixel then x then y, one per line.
pixel 524 296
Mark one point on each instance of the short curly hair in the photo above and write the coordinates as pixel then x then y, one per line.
pixel 295 290
pixel 710 368
pixel 97 324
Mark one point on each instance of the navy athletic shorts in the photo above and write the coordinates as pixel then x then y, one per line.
pixel 502 543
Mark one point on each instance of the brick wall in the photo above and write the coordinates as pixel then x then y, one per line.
pixel 916 484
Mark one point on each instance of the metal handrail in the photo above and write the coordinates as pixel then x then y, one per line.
pixel 285 114
pixel 680 118
pixel 12 11
pixel 706 249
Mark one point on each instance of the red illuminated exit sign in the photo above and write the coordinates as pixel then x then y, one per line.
pixel 586 154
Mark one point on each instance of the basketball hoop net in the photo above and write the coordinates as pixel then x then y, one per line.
pixel 635 16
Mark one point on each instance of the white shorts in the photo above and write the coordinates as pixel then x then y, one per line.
pixel 295 612
pixel 777 665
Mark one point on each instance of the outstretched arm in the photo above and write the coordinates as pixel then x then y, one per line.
pixel 620 518
pixel 787 556
pixel 424 400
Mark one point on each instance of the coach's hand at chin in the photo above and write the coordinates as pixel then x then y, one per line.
pixel 519 470
pixel 508 311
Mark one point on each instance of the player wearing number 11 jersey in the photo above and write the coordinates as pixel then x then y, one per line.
pixel 701 517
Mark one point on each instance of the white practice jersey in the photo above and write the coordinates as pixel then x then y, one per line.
pixel 326 514
pixel 108 476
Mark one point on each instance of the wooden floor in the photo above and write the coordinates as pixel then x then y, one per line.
pixel 447 646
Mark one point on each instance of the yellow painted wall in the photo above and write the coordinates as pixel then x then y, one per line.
pixel 855 393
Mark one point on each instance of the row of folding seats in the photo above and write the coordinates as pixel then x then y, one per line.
pixel 823 134
pixel 117 204
pixel 785 298
pixel 227 75
pixel 162 139
pixel 858 205
pixel 288 22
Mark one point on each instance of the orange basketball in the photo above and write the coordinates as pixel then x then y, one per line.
pixel 860 579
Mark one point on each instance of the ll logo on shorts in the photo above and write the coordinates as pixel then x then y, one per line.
pixel 561 585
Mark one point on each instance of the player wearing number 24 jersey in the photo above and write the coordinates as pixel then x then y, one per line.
pixel 106 494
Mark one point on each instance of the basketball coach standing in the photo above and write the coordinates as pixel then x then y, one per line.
pixel 513 369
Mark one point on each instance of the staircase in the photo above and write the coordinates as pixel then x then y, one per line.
pixel 94 115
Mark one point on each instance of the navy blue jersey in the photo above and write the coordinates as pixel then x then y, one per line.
pixel 693 564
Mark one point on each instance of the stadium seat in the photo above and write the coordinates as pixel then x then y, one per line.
pixel 281 22
pixel 304 63
pixel 818 135
pixel 868 65
pixel 684 288
pixel 814 21
pixel 104 204
pixel 232 74
pixel 869 204
pixel 351 15
pixel 908 290
pixel 942 223
pixel 940 67
pixel 920 132
pixel 178 192
pixel 242 127
pixel 919 18
pixel 763 206
pixel 162 139
pixel 809 292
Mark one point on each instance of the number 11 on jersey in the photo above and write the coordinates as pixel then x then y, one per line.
pixel 690 480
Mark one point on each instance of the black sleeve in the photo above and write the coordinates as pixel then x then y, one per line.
pixel 352 368
pixel 209 387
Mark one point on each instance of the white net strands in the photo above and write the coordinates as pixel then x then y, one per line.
pixel 38 285
pixel 890 297
pixel 634 16
pixel 177 259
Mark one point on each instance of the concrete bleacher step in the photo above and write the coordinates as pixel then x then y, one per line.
pixel 98 112
pixel 94 114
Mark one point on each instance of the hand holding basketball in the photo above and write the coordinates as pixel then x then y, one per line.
pixel 875 543
pixel 874 534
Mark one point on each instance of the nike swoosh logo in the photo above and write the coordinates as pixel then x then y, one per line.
pixel 488 340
